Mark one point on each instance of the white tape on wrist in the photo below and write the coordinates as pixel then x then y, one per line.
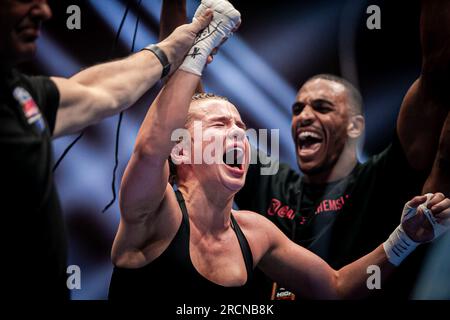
pixel 226 19
pixel 398 246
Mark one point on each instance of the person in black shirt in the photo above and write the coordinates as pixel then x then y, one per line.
pixel 334 208
pixel 35 109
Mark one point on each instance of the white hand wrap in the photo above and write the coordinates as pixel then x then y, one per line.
pixel 226 19
pixel 399 245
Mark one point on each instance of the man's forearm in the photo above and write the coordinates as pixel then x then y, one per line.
pixel 439 178
pixel 427 102
pixel 124 81
pixel 435 38
pixel 104 90
pixel 173 14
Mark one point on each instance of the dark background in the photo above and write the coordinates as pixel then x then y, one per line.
pixel 280 44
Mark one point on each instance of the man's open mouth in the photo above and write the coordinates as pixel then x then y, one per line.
pixel 309 142
pixel 234 158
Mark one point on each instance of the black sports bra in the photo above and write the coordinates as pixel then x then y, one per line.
pixel 172 275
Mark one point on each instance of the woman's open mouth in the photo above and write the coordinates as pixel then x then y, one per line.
pixel 233 158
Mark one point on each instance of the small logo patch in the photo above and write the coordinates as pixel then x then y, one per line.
pixel 29 108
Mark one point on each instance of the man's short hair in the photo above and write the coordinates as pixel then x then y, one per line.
pixel 354 97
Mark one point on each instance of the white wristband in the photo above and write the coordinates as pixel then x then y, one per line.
pixel 398 246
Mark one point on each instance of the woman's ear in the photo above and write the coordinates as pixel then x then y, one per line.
pixel 355 126
pixel 179 154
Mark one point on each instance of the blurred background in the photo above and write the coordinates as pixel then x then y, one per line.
pixel 280 44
